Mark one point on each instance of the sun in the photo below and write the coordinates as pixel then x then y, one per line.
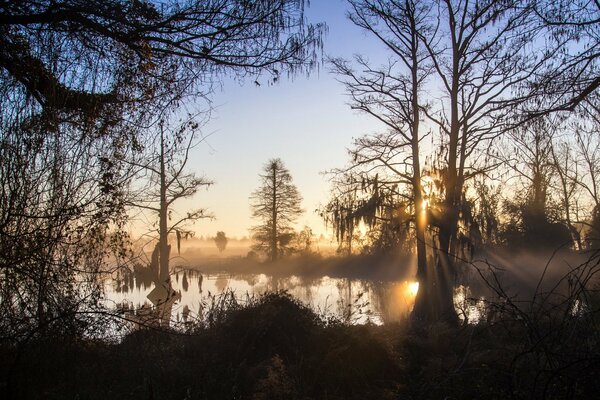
pixel 413 288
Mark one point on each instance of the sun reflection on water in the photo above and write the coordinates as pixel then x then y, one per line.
pixel 413 288
pixel 357 301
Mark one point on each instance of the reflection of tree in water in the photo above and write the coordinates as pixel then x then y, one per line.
pixel 380 299
pixel 355 303
pixel 348 299
pixel 307 292
pixel 185 313
pixel 221 282
pixel 274 284
pixel 251 279
pixel 163 297
pixel 184 282
pixel 344 303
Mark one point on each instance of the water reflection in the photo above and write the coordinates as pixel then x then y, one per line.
pixel 351 300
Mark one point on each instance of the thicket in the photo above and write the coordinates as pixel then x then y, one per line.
pixel 276 348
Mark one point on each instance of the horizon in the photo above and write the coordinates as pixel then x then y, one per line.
pixel 302 110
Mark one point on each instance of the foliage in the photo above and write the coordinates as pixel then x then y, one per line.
pixel 101 56
pixel 60 194
pixel 373 202
pixel 275 346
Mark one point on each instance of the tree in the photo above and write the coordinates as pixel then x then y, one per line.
pixel 81 58
pixel 277 204
pixel 391 94
pixel 461 66
pixel 578 166
pixel 166 182
pixel 570 74
pixel 221 241
pixel 161 181
pixel 303 242
pixel 81 82
pixel 56 211
pixel 532 161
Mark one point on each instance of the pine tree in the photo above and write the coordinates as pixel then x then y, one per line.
pixel 277 204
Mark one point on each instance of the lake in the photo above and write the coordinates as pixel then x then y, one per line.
pixel 355 301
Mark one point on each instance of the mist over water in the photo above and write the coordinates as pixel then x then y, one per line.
pixel 356 301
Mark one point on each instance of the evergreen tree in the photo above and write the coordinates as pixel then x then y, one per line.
pixel 277 204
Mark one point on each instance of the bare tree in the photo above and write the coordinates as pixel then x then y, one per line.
pixel 569 75
pixel 566 167
pixel 58 209
pixel 391 94
pixel 472 59
pixel 277 204
pixel 481 56
pixel 534 168
pixel 81 57
pixel 163 169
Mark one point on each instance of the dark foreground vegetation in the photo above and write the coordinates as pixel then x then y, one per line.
pixel 275 348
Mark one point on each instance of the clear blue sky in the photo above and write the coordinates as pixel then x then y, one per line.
pixel 305 121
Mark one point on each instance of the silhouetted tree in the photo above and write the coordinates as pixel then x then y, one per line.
pixel 93 58
pixel 303 241
pixel 277 204
pixel 569 73
pixel 479 59
pixel 376 203
pixel 470 54
pixel 566 167
pixel 221 241
pixel 391 94
pixel 582 176
pixel 167 181
pixel 530 159
pixel 57 208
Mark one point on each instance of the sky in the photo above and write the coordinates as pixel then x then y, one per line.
pixel 305 121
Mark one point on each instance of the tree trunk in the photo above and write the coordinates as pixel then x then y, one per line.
pixel 163 241
pixel 422 308
pixel 274 249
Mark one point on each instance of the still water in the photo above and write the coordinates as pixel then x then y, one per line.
pixel 353 301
